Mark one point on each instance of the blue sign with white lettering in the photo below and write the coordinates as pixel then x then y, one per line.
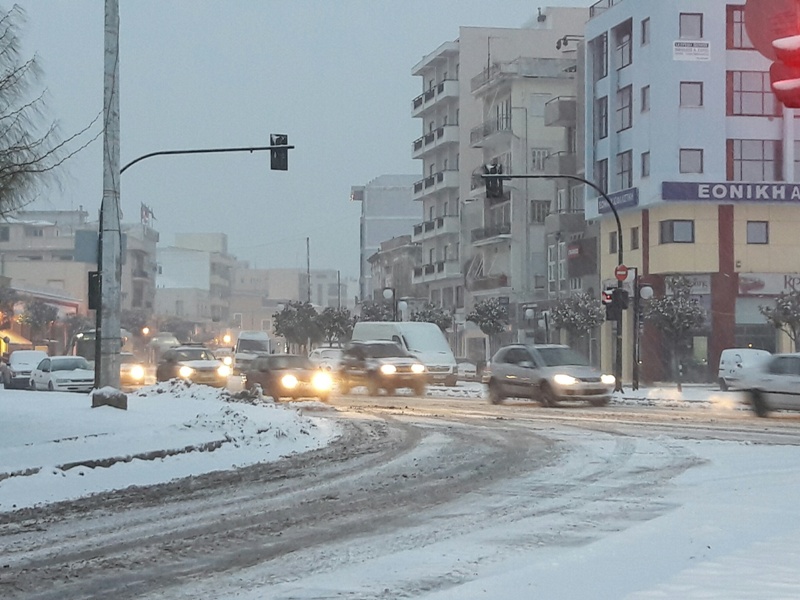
pixel 730 191
pixel 623 199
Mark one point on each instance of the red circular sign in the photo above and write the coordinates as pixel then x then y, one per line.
pixel 621 272
pixel 769 20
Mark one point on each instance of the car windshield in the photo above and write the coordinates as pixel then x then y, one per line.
pixel 289 362
pixel 429 339
pixel 193 354
pixel 253 346
pixel 557 356
pixel 26 357
pixel 386 350
pixel 69 364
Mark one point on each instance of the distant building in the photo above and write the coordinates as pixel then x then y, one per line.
pixel 387 211
pixel 393 267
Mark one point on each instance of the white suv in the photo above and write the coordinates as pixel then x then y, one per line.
pixel 773 384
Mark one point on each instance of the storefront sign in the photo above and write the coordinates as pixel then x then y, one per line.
pixel 768 284
pixel 624 199
pixel 730 191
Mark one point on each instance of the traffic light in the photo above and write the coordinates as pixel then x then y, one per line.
pixel 494 185
pixel 279 157
pixel 94 290
pixel 784 73
pixel 618 302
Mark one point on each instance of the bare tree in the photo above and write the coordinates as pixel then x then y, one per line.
pixel 31 147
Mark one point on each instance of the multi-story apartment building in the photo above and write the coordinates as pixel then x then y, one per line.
pixel 52 252
pixel 483 102
pixel 699 160
pixel 195 278
pixel 387 210
pixel 392 269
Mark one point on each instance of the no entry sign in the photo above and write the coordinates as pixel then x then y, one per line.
pixel 621 272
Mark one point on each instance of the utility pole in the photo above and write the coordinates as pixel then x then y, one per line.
pixel 110 260
pixel 308 268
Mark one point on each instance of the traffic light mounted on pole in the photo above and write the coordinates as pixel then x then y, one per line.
pixel 494 185
pixel 279 157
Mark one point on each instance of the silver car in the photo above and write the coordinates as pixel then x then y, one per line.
pixel 548 373
pixel 773 384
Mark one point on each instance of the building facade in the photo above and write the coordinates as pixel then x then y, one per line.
pixel 687 139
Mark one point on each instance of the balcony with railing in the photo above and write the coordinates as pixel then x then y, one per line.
pixel 561 111
pixel 488 282
pixel 446 134
pixel 442 269
pixel 439 226
pixel 561 163
pixel 434 183
pixel 480 134
pixel 524 66
pixel 488 235
pixel 601 6
pixel 444 89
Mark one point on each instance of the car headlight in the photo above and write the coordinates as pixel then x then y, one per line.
pixel 417 368
pixel 388 369
pixel 137 372
pixel 224 371
pixel 227 360
pixel 322 381
pixel 185 371
pixel 564 379
pixel 289 382
pixel 608 379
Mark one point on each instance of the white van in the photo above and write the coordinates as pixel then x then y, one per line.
pixel 733 361
pixel 424 341
pixel 249 346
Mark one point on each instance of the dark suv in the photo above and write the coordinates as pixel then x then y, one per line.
pixel 380 365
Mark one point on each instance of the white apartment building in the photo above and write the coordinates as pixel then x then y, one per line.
pixel 387 211
pixel 700 162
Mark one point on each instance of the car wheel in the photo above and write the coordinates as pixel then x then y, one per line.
pixel 390 391
pixel 51 387
pixel 722 385
pixel 31 385
pixel 495 395
pixel 419 389
pixel 373 386
pixel 758 403
pixel 547 396
pixel 599 401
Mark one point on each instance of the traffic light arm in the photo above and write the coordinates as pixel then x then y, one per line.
pixel 205 151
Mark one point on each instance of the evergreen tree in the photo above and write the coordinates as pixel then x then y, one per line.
pixel 336 325
pixel 376 311
pixel 491 317
pixel 298 323
pixel 578 314
pixel 38 316
pixel 785 314
pixel 8 299
pixel 431 313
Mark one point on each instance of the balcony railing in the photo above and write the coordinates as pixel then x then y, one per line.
pixel 560 111
pixel 490 127
pixel 441 89
pixel 436 181
pixel 440 135
pixel 440 269
pixel 437 226
pixel 485 233
pixel 489 282
pixel 601 6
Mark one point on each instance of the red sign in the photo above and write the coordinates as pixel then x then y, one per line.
pixel 769 20
pixel 621 272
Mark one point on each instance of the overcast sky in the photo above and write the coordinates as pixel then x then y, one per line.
pixel 335 75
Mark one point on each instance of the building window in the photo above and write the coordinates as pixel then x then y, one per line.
pixel 645 164
pixel 691 160
pixel 691 26
pixel 634 238
pixel 749 94
pixel 601 174
pixel 5 234
pixel 625 170
pixel 613 237
pixel 538 158
pixel 539 210
pixel 755 160
pixel 677 232
pixel 601 120
pixel 645 31
pixel 691 94
pixel 624 108
pixel 736 37
pixel 758 232
pixel 600 57
pixel 34 232
pixel 624 41
pixel 646 98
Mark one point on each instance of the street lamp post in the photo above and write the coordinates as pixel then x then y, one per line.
pixel 389 294
pixel 640 292
pixel 599 190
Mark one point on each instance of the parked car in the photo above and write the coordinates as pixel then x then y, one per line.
pixel 732 361
pixel 548 373
pixel 131 371
pixel 380 365
pixel 773 384
pixel 467 370
pixel 193 363
pixel 20 365
pixel 326 357
pixel 289 376
pixel 63 374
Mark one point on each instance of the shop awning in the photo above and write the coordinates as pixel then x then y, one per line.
pixel 14 339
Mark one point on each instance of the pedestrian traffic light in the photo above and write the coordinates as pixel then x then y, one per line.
pixel 279 157
pixel 494 185
pixel 620 296
pixel 617 303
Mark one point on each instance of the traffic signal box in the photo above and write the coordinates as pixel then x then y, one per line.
pixel 615 300
pixel 784 73
pixel 494 185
